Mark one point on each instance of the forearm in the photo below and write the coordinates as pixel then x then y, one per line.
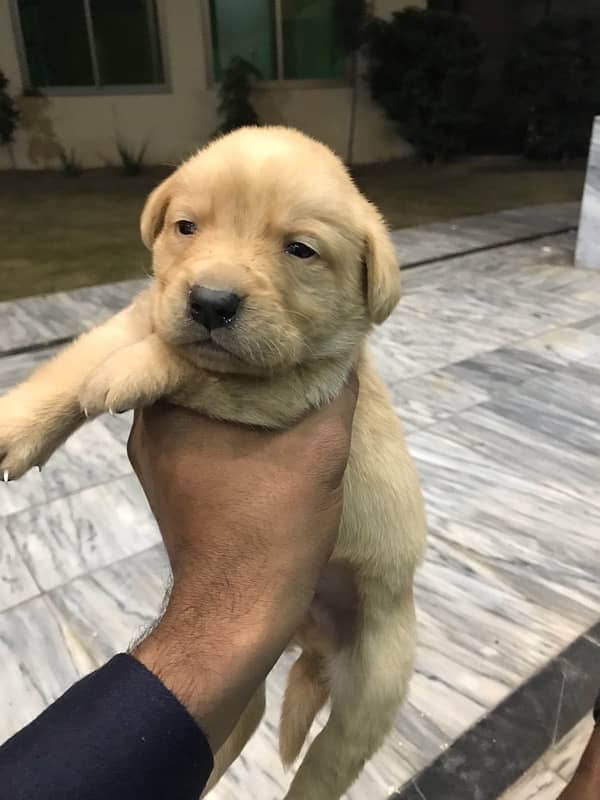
pixel 213 661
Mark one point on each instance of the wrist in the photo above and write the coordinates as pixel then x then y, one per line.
pixel 213 666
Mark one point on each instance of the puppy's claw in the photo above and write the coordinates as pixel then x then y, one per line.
pixel 86 413
pixel 5 476
pixel 111 412
pixel 39 466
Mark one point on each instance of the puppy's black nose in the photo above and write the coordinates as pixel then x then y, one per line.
pixel 213 308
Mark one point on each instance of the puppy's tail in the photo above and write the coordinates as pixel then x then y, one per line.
pixel 306 693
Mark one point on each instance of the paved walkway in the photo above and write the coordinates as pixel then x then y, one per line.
pixel 493 360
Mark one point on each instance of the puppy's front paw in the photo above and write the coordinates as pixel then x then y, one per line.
pixel 26 438
pixel 127 379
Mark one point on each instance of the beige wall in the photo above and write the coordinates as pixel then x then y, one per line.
pixel 177 121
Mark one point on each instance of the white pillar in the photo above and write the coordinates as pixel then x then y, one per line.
pixel 587 253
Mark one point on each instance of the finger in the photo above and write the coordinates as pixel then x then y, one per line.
pixel 134 439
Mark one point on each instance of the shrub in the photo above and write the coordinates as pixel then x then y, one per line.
pixel 9 116
pixel 423 67
pixel 553 87
pixel 71 166
pixel 235 108
pixel 132 161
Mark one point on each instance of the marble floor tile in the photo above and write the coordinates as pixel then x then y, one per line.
pixel 541 218
pixel 35 663
pixel 14 369
pixel 508 633
pixel 92 456
pixel 532 453
pixel 592 325
pixel 107 609
pixel 564 345
pixel 16 582
pixel 42 318
pixel 559 405
pixel 497 369
pixel 426 399
pixel 22 327
pixel 72 535
pixel 463 485
pixel 525 566
pixel 408 346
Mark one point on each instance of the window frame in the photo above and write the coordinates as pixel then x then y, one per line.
pixel 272 83
pixel 97 89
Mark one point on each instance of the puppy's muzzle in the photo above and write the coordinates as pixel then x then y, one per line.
pixel 213 308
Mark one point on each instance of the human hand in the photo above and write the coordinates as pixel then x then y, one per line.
pixel 249 518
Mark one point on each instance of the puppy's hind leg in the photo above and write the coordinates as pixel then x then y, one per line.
pixel 233 746
pixel 369 680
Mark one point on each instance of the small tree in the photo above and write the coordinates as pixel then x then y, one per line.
pixel 350 23
pixel 9 116
pixel 553 87
pixel 424 70
pixel 235 89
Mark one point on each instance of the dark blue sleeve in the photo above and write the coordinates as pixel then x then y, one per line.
pixel 118 734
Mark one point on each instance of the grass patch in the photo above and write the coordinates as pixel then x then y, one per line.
pixel 61 234
pixel 411 193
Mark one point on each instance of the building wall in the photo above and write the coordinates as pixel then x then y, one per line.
pixel 177 121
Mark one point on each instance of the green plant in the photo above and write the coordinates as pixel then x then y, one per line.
pixel 350 17
pixel 235 108
pixel 553 87
pixel 9 116
pixel 31 91
pixel 423 67
pixel 71 166
pixel 132 161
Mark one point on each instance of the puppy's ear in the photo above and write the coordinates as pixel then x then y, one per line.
pixel 383 269
pixel 153 215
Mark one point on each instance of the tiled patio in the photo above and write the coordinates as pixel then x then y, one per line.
pixel 493 360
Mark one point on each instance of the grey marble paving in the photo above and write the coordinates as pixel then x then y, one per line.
pixel 434 240
pixel 492 363
pixel 40 319
pixel 16 581
pixel 93 455
pixel 77 533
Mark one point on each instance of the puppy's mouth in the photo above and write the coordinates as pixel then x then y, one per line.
pixel 210 354
pixel 210 346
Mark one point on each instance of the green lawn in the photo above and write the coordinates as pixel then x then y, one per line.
pixel 60 233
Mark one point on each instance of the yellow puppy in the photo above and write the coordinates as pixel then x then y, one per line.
pixel 270 268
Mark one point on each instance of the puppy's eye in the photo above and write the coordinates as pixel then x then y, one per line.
pixel 300 250
pixel 185 227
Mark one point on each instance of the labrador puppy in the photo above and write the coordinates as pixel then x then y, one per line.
pixel 270 268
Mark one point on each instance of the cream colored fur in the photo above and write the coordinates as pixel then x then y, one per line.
pixel 302 327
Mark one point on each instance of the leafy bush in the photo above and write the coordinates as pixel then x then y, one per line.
pixel 9 116
pixel 553 87
pixel 71 166
pixel 235 107
pixel 132 162
pixel 424 70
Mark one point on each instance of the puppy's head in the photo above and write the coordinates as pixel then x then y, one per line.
pixel 266 255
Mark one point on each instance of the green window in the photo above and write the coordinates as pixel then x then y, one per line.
pixel 91 42
pixel 284 39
